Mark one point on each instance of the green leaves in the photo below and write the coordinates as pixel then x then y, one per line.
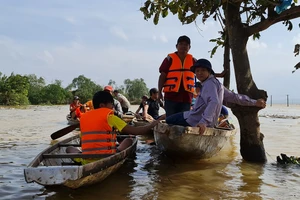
pixel 219 42
pixel 135 89
pixel 156 18
pixel 164 12
pixel 256 36
pixel 289 25
pixel 173 6
pixel 84 87
pixel 13 89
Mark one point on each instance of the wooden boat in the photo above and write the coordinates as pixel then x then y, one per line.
pixel 140 122
pixel 186 141
pixel 54 166
pixel 70 120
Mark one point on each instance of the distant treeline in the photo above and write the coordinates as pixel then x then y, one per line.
pixel 19 89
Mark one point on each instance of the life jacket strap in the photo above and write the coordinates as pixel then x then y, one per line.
pixel 98 132
pixel 99 149
pixel 103 140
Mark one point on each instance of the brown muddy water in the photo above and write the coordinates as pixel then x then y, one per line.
pixel 150 174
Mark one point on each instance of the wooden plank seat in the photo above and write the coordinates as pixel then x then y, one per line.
pixel 75 155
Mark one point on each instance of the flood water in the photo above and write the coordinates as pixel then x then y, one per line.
pixel 150 174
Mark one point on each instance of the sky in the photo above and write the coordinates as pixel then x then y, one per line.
pixel 103 40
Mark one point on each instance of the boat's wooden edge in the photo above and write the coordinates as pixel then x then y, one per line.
pixel 44 174
pixel 165 128
pixel 39 158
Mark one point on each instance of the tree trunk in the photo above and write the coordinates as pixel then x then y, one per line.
pixel 252 147
pixel 226 65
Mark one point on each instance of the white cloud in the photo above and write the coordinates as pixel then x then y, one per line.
pixel 256 47
pixel 117 31
pixel 154 38
pixel 71 20
pixel 163 38
pixel 256 44
pixel 46 56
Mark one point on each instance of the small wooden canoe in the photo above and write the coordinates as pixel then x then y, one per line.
pixel 54 166
pixel 186 141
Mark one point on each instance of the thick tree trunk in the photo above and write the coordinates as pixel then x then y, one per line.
pixel 252 147
pixel 226 65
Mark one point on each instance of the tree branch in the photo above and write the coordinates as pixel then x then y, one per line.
pixel 289 14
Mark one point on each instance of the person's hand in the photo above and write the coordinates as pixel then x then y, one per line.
pixel 202 128
pixel 144 117
pixel 260 103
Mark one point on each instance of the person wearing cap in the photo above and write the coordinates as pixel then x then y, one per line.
pixel 208 104
pixel 152 105
pixel 176 80
pixel 125 104
pixel 117 106
pixel 73 106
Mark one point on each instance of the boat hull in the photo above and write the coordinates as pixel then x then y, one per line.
pixel 53 172
pixel 186 141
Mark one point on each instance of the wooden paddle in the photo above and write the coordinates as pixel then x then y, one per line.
pixel 64 131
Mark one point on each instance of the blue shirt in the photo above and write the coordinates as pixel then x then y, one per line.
pixel 207 107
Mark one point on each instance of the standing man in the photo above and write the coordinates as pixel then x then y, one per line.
pixel 176 80
pixel 123 100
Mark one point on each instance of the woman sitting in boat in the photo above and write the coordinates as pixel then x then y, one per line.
pixel 73 106
pixel 208 104
pixel 222 120
pixel 98 128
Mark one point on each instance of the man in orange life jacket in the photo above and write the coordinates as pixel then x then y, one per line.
pixel 98 126
pixel 80 111
pixel 73 106
pixel 176 80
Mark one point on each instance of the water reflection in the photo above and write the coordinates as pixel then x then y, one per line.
pixel 249 184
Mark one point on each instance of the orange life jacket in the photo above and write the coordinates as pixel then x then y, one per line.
pixel 74 106
pixel 180 73
pixel 97 137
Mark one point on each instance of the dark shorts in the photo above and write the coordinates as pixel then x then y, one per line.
pixel 177 119
pixel 172 107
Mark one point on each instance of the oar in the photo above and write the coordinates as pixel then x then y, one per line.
pixel 64 131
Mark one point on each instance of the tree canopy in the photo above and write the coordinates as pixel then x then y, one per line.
pixel 252 16
pixel 19 89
